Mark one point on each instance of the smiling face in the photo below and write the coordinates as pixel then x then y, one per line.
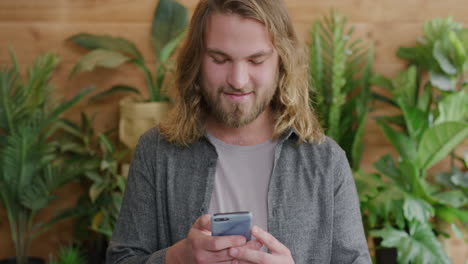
pixel 239 70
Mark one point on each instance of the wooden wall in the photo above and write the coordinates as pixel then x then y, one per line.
pixel 32 27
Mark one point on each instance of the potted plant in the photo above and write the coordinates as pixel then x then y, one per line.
pixel 97 210
pixel 340 72
pixel 407 202
pixel 138 115
pixel 30 169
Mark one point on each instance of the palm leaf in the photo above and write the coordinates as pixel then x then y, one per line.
pixel 53 117
pixel 39 73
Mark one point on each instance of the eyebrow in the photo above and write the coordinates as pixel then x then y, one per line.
pixel 255 55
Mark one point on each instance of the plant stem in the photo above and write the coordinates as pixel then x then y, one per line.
pixel 21 239
pixel 148 79
pixel 159 81
pixel 452 160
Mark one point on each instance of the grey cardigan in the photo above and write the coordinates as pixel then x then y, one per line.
pixel 313 207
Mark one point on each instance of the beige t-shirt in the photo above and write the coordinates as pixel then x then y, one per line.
pixel 241 179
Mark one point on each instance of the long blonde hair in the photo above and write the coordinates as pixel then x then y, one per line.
pixel 184 124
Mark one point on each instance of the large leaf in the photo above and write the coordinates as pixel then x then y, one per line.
pixel 442 81
pixel 170 19
pixel 439 141
pixel 416 120
pixel 397 120
pixel 443 59
pixel 435 29
pixel 453 179
pixel 114 89
pixel 99 58
pixel 386 207
pixel 406 86
pixel 412 54
pixel 92 42
pixel 413 177
pixel 402 143
pixel 169 48
pixel 450 214
pixel 455 198
pixel 458 51
pixel 383 82
pixel 419 246
pixel 460 179
pixel 454 107
pixel 386 166
pixel 417 209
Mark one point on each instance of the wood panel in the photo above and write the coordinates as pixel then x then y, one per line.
pixel 31 39
pixel 52 37
pixel 34 27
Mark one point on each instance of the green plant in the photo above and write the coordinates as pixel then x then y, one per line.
pixel 68 255
pixel 404 203
pixel 442 52
pixel 30 169
pixel 99 158
pixel 340 71
pixel 170 19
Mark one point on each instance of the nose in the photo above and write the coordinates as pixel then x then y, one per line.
pixel 238 76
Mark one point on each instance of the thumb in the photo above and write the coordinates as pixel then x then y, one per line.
pixel 203 223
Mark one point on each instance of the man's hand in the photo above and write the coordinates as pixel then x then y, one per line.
pixel 279 253
pixel 200 247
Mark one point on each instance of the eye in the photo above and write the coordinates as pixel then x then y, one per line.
pixel 256 62
pixel 219 61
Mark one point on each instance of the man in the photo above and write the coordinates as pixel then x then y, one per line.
pixel 242 137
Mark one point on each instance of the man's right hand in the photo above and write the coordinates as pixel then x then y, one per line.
pixel 200 247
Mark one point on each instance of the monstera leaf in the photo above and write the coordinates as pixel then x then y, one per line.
pixel 419 246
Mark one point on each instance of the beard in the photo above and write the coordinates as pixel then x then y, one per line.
pixel 237 114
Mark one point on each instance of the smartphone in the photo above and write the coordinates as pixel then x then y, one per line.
pixel 233 223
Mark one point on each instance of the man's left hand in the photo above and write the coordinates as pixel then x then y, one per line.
pixel 279 253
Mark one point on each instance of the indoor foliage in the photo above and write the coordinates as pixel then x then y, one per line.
pixel 169 22
pixel 404 202
pixel 340 71
pixel 30 167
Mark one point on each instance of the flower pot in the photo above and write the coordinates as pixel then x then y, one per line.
pixel 137 117
pixel 31 260
pixel 384 255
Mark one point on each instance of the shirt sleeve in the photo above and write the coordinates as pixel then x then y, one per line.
pixel 349 243
pixel 134 239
